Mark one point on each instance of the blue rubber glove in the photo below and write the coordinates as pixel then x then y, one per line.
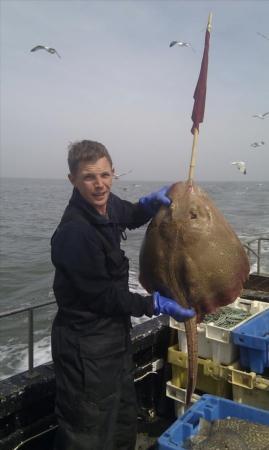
pixel 168 306
pixel 152 202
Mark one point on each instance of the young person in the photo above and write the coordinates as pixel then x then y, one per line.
pixel 91 348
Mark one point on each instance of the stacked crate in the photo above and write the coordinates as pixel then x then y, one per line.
pixel 219 369
pixel 251 383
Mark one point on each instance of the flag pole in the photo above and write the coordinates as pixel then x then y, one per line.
pixel 195 131
pixel 193 155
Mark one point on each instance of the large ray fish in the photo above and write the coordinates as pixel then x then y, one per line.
pixel 191 254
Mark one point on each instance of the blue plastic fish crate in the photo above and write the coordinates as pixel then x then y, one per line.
pixel 252 338
pixel 209 407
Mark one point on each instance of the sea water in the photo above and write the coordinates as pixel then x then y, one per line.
pixel 30 210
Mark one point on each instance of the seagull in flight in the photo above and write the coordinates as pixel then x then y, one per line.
pixel 118 175
pixel 241 166
pixel 257 144
pixel 261 116
pixel 181 44
pixel 48 49
pixel 263 35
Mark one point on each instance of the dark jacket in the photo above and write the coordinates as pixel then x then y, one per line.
pixel 91 277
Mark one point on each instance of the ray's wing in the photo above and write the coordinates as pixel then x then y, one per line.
pixel 265 114
pixel 38 47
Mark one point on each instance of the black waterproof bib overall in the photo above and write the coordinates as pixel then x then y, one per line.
pixel 96 401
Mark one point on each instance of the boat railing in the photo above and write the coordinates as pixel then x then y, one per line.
pixel 30 325
pixel 30 309
pixel 257 252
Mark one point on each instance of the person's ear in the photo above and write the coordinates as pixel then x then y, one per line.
pixel 113 171
pixel 71 178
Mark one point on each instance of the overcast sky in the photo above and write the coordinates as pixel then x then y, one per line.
pixel 119 83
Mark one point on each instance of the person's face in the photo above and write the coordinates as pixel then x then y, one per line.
pixel 94 181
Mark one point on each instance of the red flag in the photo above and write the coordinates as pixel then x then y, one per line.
pixel 200 90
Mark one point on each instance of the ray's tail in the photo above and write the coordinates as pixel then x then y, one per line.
pixel 192 344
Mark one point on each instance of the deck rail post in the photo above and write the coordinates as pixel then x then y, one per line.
pixel 30 341
pixel 259 256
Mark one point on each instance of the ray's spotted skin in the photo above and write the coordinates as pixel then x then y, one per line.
pixel 190 248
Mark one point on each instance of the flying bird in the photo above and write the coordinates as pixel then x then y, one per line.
pixel 263 35
pixel 257 144
pixel 241 166
pixel 118 175
pixel 181 44
pixel 261 116
pixel 48 49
